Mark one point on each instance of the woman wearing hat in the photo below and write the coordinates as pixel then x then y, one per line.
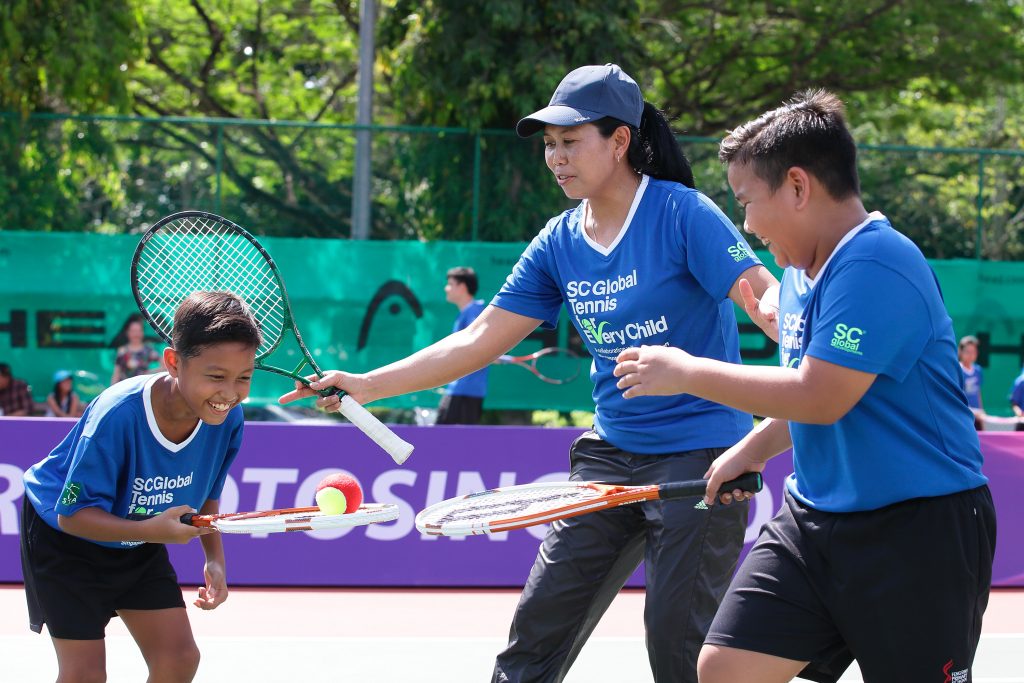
pixel 63 401
pixel 643 259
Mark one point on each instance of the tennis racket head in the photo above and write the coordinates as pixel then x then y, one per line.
pixel 556 365
pixel 553 364
pixel 195 251
pixel 292 519
pixel 199 251
pixel 516 507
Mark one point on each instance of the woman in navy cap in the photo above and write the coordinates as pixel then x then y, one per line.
pixel 643 259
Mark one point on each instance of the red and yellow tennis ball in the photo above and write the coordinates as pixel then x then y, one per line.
pixel 337 494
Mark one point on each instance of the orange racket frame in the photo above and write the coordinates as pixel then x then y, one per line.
pixel 494 510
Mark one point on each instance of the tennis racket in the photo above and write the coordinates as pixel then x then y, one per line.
pixel 291 519
pixel 552 365
pixel 198 251
pixel 516 507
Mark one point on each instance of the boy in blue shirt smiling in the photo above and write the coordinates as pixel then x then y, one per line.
pixel 154 446
pixel 883 550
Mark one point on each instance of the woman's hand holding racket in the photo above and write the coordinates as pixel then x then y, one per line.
pixel 345 394
pixel 347 383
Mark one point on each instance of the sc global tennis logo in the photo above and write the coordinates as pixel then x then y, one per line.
pixel 69 496
pixel 847 338
pixel 739 251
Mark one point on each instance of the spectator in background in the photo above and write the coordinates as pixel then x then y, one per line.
pixel 15 397
pixel 1017 400
pixel 973 378
pixel 63 401
pixel 463 400
pixel 134 356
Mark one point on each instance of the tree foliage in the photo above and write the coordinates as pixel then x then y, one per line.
pixel 942 198
pixel 484 65
pixel 721 62
pixel 66 54
pixel 913 72
pixel 276 61
pixel 59 56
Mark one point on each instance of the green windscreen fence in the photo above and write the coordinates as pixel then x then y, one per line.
pixel 65 296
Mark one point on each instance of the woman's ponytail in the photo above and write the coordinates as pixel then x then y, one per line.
pixel 656 152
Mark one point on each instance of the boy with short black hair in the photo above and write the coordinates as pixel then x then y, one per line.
pixel 154 446
pixel 883 549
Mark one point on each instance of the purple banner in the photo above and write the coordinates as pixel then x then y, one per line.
pixel 281 464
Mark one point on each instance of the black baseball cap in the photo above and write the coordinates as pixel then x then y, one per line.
pixel 587 94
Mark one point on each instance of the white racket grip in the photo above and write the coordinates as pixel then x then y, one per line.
pixel 375 429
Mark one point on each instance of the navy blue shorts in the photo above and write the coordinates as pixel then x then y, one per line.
pixel 75 586
pixel 689 555
pixel 460 410
pixel 901 589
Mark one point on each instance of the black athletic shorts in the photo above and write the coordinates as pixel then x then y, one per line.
pixel 460 410
pixel 901 589
pixel 75 586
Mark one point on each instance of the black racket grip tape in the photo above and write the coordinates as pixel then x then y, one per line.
pixel 751 481
pixel 329 391
pixel 187 518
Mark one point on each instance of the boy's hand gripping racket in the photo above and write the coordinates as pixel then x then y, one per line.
pixel 291 519
pixel 198 251
pixel 552 365
pixel 516 507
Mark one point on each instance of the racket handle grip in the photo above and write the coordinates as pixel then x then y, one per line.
pixel 187 518
pixel 398 449
pixel 751 481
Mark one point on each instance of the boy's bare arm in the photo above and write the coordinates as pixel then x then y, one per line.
pixel 769 438
pixel 215 590
pixel 99 525
pixel 818 392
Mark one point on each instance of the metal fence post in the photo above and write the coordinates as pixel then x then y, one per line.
pixel 476 187
pixel 219 167
pixel 361 181
pixel 981 202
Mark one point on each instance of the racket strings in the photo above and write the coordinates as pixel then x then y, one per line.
pixel 272 521
pixel 192 254
pixel 558 366
pixel 502 504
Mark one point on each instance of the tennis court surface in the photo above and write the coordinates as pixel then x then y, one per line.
pixel 392 636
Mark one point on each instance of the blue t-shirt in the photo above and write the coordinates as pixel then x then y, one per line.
pixel 972 381
pixel 665 280
pixel 876 307
pixel 116 459
pixel 475 383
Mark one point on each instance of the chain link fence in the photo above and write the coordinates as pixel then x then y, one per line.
pixel 116 174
